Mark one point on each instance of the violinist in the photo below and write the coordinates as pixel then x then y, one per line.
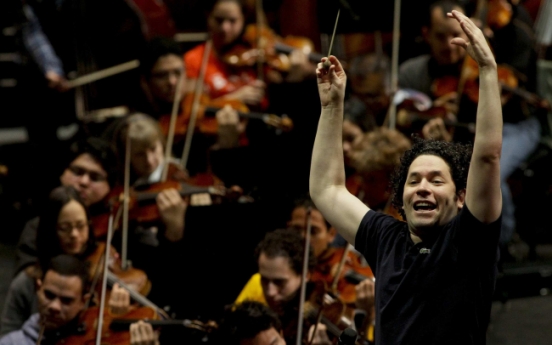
pixel 155 241
pixel 63 229
pixel 278 283
pixel 227 21
pixel 61 292
pixel 250 322
pixel 90 171
pixel 328 258
pixel 520 138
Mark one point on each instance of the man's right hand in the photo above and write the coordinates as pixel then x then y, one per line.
pixel 331 82
pixel 56 81
pixel 251 94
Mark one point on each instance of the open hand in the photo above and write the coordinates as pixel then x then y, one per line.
pixel 476 46
pixel 331 82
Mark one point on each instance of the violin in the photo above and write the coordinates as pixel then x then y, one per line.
pixel 88 321
pixel 206 121
pixel 135 279
pixel 142 203
pixel 328 267
pixel 274 49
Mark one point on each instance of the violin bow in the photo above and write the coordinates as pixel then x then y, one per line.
pixel 391 117
pixel 104 281
pixel 304 278
pixel 195 105
pixel 340 267
pixel 126 192
pixel 104 73
pixel 172 125
pixel 259 41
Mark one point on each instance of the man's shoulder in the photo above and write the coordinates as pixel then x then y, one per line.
pixel 415 63
pixel 27 335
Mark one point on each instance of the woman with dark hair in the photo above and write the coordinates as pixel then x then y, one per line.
pixel 63 229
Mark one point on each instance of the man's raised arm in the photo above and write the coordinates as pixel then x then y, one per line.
pixel 327 175
pixel 483 195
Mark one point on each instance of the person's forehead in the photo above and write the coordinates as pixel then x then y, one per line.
pixel 278 267
pixel 87 161
pixel 428 163
pixel 168 62
pixel 300 214
pixel 62 285
pixel 440 21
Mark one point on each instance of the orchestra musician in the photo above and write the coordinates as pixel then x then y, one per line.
pixel 89 169
pixel 62 294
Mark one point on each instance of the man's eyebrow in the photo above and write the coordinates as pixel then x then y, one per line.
pixel 431 173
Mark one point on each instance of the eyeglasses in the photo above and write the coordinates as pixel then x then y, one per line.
pixel 67 228
pixel 93 175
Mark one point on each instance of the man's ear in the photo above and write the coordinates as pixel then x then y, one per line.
pixel 425 33
pixel 38 284
pixel 461 198
pixel 86 297
pixel 332 233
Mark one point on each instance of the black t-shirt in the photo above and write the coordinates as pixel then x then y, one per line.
pixel 433 292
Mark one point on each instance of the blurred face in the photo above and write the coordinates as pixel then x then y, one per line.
pixel 60 299
pixel 439 35
pixel 146 158
pixel 88 177
pixel 267 337
pixel 164 77
pixel 429 196
pixel 321 236
pixel 225 22
pixel 279 282
pixel 352 135
pixel 72 228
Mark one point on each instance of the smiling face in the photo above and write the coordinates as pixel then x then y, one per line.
pixel 429 197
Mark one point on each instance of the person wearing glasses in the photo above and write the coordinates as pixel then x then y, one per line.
pixel 89 170
pixel 63 229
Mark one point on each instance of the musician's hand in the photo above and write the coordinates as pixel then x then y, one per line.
pixel 119 300
pixel 365 295
pixel 300 67
pixel 331 83
pixel 141 333
pixel 229 127
pixel 56 81
pixel 435 129
pixel 172 209
pixel 448 101
pixel 321 336
pixel 251 94
pixel 476 45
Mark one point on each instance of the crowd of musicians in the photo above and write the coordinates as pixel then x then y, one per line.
pixel 396 234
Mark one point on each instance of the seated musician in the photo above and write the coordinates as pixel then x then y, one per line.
pixel 89 170
pixel 278 282
pixel 328 257
pixel 227 21
pixel 64 228
pixel 250 322
pixel 62 296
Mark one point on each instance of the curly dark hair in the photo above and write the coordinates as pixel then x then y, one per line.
pixel 246 320
pixel 456 155
pixel 287 243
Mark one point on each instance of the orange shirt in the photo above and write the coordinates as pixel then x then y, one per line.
pixel 219 79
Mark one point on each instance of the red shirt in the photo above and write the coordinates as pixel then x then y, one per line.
pixel 219 80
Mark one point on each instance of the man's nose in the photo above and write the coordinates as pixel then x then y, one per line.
pixel 423 187
pixel 173 79
pixel 84 179
pixel 271 290
pixel 55 305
